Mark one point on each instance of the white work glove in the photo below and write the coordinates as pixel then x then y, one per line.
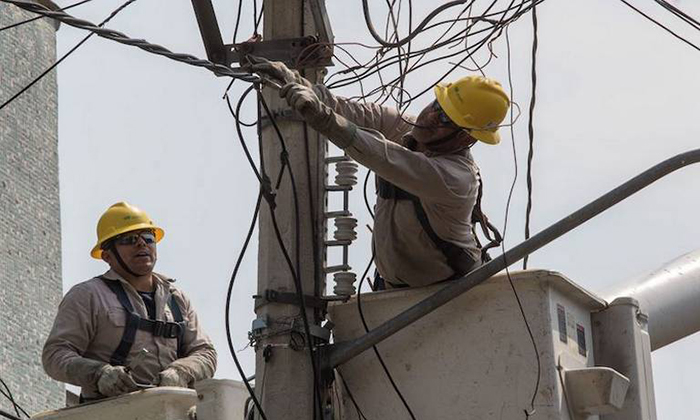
pixel 115 380
pixel 318 115
pixel 276 70
pixel 174 377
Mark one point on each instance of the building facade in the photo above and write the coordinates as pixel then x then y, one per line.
pixel 30 240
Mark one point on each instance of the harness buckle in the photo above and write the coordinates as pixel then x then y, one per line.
pixel 172 330
pixel 158 328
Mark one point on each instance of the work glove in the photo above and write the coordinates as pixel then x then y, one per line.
pixel 318 115
pixel 174 377
pixel 115 380
pixel 276 70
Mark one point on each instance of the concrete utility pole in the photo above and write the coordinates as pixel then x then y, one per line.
pixel 284 378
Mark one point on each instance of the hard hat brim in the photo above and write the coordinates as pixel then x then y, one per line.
pixel 97 249
pixel 485 136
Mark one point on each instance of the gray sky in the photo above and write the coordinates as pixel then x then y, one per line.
pixel 616 95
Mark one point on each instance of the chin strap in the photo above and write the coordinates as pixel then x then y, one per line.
pixel 112 247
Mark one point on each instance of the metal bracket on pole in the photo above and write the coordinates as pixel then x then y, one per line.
pixel 209 28
pixel 288 298
pixel 294 52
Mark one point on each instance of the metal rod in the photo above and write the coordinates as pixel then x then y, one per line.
pixel 340 353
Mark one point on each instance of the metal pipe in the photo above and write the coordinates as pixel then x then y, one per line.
pixel 669 297
pixel 340 353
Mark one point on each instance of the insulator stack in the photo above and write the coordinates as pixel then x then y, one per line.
pixel 344 283
pixel 345 224
pixel 346 173
pixel 345 229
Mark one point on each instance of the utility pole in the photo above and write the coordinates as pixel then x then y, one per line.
pixel 284 374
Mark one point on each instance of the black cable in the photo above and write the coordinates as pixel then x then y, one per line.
pixel 661 25
pixel 14 25
pixel 414 33
pixel 531 130
pixel 238 20
pixel 239 260
pixel 364 193
pixel 54 65
pixel 360 414
pixel 8 394
pixel 8 415
pixel 531 412
pixel 295 274
pixel 376 351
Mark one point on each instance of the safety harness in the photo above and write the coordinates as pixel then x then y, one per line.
pixel 459 260
pixel 134 322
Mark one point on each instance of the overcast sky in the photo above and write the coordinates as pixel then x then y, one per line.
pixel 616 95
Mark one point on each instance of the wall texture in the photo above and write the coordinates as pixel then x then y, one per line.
pixel 30 242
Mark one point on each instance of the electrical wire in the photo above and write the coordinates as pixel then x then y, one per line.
pixel 8 415
pixel 531 412
pixel 8 394
pixel 239 260
pixel 376 351
pixel 531 129
pixel 14 25
pixel 360 414
pixel 294 272
pixel 121 38
pixel 66 55
pixel 661 25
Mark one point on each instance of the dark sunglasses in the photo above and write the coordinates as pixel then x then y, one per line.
pixel 149 238
pixel 442 116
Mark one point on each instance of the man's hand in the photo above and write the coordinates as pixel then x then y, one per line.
pixel 174 377
pixel 276 70
pixel 303 100
pixel 115 380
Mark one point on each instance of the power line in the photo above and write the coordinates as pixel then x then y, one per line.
pixel 66 55
pixel 117 36
pixel 531 129
pixel 661 25
pixel 14 25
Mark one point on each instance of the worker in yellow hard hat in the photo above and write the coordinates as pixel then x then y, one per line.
pixel 428 185
pixel 128 328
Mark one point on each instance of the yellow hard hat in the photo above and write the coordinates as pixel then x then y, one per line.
pixel 477 103
pixel 121 218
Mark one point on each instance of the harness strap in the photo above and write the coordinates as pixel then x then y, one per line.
pixel 135 322
pixel 457 257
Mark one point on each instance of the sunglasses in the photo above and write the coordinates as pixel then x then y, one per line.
pixel 442 116
pixel 149 238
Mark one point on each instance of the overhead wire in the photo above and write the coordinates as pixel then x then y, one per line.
pixel 7 393
pixel 239 260
pixel 121 38
pixel 66 55
pixel 531 129
pixel 528 413
pixel 664 27
pixel 14 25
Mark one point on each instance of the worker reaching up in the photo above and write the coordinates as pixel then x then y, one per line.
pixel 130 326
pixel 428 184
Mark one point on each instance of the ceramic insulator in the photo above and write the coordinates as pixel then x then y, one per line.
pixel 346 173
pixel 344 283
pixel 345 229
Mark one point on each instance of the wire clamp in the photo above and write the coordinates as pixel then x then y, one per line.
pixel 288 298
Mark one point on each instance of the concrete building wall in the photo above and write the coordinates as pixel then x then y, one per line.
pixel 30 242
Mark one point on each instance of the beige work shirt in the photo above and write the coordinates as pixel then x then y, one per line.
pixel 90 324
pixel 447 186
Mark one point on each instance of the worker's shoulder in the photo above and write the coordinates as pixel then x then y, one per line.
pixel 94 285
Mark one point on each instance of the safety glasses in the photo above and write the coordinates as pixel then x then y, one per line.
pixel 149 238
pixel 442 116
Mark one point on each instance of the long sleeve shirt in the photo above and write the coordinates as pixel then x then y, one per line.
pixel 90 324
pixel 446 184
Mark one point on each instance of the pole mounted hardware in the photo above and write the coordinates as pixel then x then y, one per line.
pixel 302 52
pixel 289 298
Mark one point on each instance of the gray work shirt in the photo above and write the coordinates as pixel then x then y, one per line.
pixel 447 186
